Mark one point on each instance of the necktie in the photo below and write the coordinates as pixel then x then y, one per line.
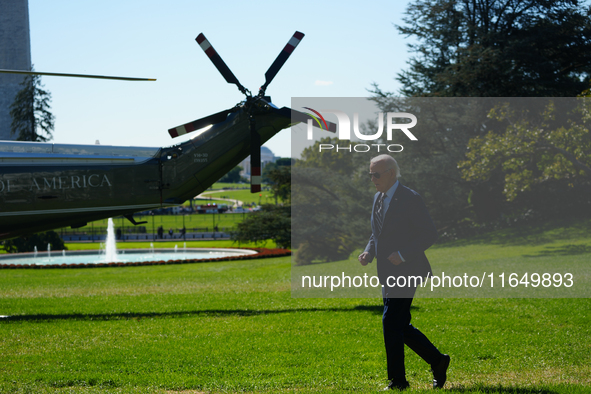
pixel 378 213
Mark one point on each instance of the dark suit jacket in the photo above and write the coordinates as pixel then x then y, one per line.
pixel 408 229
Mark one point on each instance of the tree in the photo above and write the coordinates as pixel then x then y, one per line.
pixel 331 203
pixel 497 48
pixel 551 144
pixel 330 214
pixel 233 176
pixel 485 48
pixel 30 112
pixel 271 167
pixel 280 181
pixel 338 162
pixel 272 222
pixel 32 121
pixel 39 240
pixel 429 165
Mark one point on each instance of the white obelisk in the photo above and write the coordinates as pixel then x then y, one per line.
pixel 15 54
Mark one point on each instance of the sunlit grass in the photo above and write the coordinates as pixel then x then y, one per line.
pixel 233 327
pixel 171 244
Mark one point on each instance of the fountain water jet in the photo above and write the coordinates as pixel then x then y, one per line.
pixel 132 256
pixel 108 254
pixel 111 245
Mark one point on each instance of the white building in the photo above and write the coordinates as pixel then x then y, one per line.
pixel 266 157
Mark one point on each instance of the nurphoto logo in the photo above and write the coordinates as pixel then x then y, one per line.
pixel 344 130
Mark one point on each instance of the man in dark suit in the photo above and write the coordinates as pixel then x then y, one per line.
pixel 402 230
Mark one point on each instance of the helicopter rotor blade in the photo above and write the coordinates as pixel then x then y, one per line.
pixel 280 60
pixel 219 63
pixel 75 75
pixel 199 123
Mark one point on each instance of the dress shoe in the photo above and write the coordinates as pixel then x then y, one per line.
pixel 397 385
pixel 440 371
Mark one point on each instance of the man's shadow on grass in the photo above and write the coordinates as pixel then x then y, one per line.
pixel 374 309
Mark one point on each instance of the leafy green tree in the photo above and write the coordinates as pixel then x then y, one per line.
pixel 534 149
pixel 271 167
pixel 330 214
pixel 266 170
pixel 272 222
pixel 32 119
pixel 39 240
pixel 233 176
pixel 284 161
pixel 429 165
pixel 585 93
pixel 488 48
pixel 341 162
pixel 280 181
pixel 497 48
pixel 331 203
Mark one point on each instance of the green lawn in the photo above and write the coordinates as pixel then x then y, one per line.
pixel 244 195
pixel 172 244
pixel 223 185
pixel 193 222
pixel 206 200
pixel 233 327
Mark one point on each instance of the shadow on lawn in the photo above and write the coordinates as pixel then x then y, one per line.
pixel 501 390
pixel 528 234
pixel 375 309
pixel 565 250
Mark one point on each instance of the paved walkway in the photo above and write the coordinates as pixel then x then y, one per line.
pixel 236 203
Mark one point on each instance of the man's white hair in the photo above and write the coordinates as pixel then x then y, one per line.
pixel 390 163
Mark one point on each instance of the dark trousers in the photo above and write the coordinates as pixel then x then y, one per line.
pixel 397 332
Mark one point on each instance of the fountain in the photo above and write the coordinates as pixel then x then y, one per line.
pixel 111 245
pixel 108 254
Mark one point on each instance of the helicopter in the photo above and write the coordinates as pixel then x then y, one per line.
pixel 44 186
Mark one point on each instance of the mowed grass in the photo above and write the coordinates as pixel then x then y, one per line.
pixel 192 222
pixel 233 327
pixel 244 195
pixel 171 244
pixel 195 221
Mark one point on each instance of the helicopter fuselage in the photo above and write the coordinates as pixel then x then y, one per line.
pixel 46 186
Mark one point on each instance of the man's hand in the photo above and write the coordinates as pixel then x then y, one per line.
pixel 395 258
pixel 364 258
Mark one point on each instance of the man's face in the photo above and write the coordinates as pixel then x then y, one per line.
pixel 387 177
